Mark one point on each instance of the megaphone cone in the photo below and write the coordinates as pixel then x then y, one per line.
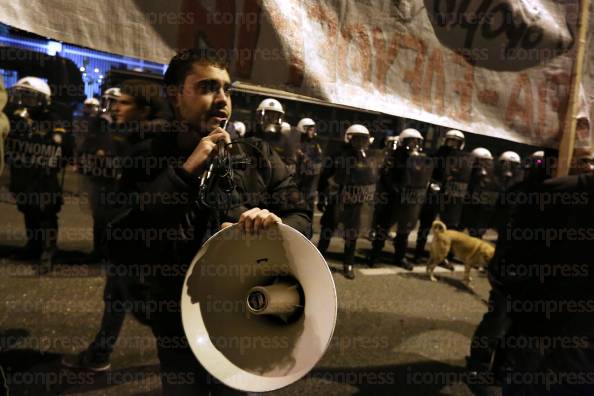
pixel 258 310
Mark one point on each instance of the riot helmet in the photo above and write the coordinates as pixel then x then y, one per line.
pixel 30 93
pixel 454 139
pixel 91 106
pixel 534 160
pixel 285 128
pixel 391 143
pixel 482 153
pixel 411 140
pixel 509 162
pixel 109 99
pixel 307 127
pixel 482 159
pixel 358 137
pixel 269 116
pixel 239 128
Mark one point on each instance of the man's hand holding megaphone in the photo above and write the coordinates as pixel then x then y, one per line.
pixel 255 219
pixel 204 151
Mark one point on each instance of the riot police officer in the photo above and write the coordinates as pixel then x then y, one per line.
pixel 534 165
pixel 309 160
pixel 269 127
pixel 446 192
pixel 37 147
pixel 391 144
pixel 351 173
pixel 91 107
pixel 483 192
pixel 108 102
pixel 509 169
pixel 401 192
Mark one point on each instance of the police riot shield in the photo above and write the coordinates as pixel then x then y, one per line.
pixel 481 199
pixel 286 146
pixel 413 191
pixel 101 155
pixel 458 168
pixel 356 177
pixel 36 152
pixel 309 162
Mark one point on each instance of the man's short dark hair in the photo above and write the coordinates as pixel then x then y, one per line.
pixel 181 64
pixel 145 93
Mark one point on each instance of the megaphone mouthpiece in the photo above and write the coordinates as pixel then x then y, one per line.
pixel 282 299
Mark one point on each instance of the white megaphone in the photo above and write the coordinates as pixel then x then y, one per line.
pixel 258 310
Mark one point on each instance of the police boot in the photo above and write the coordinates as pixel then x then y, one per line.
pixel 404 263
pixel 348 271
pixel 373 256
pixel 400 243
pixel 49 251
pixel 32 250
pixel 350 246
pixel 348 265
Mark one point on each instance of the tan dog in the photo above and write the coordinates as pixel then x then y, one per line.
pixel 473 252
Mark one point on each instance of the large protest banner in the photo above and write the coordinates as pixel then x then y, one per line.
pixel 494 67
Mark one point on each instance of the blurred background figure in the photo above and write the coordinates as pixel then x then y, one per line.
pixel 309 160
pixel 106 143
pixel 38 148
pixel 91 107
pixel 401 192
pixel 137 113
pixel 347 181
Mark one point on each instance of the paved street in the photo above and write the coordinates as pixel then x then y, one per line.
pixel 396 334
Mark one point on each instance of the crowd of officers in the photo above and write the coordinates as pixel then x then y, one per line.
pixel 462 188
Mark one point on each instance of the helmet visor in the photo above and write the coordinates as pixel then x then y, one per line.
pixel 412 144
pixel 454 143
pixel 359 141
pixel 27 98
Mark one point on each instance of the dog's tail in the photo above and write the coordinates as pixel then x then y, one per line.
pixel 438 226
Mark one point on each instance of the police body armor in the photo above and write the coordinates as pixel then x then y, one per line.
pixel 36 152
pixel 285 145
pixel 458 169
pixel 356 180
pixel 412 191
pixel 481 199
pixel 101 155
pixel 310 163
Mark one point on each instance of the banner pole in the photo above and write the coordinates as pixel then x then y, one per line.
pixel 569 126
